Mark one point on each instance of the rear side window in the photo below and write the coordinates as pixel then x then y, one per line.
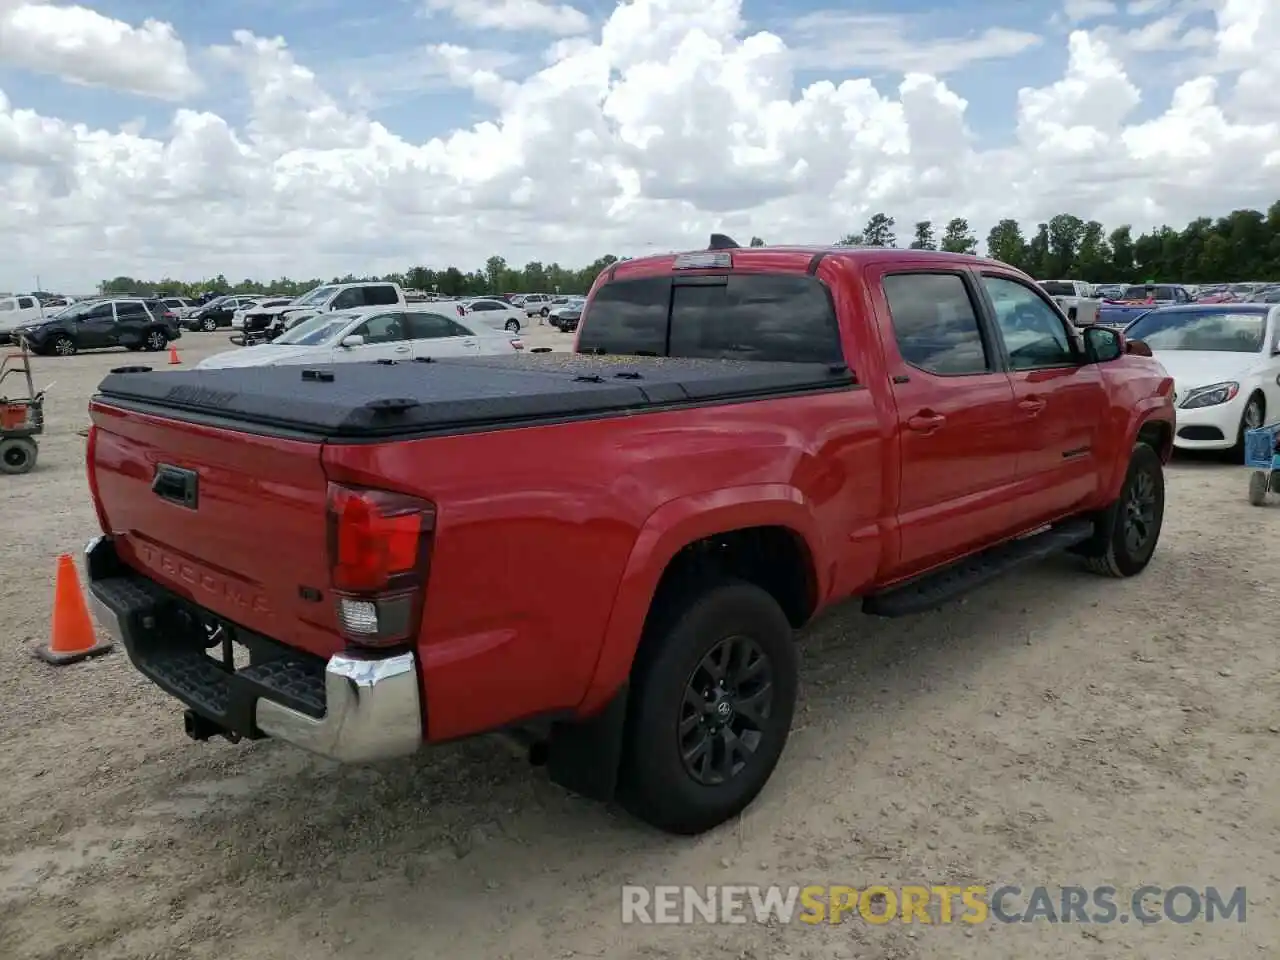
pixel 781 318
pixel 26 303
pixel 380 296
pixel 130 310
pixel 935 323
pixel 628 317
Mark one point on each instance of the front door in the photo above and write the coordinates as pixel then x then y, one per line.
pixel 957 446
pixel 1060 400
pixel 97 328
pixel 385 338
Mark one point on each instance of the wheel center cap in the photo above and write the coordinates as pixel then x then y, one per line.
pixel 724 710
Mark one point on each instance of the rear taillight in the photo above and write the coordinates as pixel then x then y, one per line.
pixel 517 343
pixel 379 556
pixel 462 311
pixel 91 473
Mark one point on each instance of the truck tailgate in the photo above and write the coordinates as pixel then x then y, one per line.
pixel 247 544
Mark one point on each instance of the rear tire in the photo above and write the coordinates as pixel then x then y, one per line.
pixel 1127 532
pixel 513 326
pixel 734 735
pixel 155 341
pixel 1258 484
pixel 18 455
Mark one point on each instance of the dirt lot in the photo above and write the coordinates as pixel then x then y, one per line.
pixel 1054 729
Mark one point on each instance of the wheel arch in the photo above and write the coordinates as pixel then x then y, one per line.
pixel 764 534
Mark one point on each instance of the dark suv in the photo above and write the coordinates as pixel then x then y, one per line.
pixel 137 324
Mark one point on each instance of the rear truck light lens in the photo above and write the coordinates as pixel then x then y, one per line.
pixel 91 471
pixel 379 556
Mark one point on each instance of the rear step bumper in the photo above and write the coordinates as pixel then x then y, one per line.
pixel 351 709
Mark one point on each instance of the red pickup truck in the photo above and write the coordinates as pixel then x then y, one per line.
pixel 607 552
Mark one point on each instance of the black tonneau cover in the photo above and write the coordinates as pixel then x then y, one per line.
pixel 379 400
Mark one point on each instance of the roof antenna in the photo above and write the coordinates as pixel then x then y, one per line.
pixel 720 241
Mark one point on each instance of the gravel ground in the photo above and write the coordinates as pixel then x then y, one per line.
pixel 1053 729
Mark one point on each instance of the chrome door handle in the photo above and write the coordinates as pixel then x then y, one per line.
pixel 1032 405
pixel 926 422
pixel 402 349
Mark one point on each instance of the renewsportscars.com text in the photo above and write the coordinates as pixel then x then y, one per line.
pixel 934 904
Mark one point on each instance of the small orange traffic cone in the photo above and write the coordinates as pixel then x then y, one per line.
pixel 173 354
pixel 72 637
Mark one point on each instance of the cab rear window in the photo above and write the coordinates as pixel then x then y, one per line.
pixel 762 317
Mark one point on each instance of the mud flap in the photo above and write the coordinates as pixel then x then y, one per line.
pixel 584 756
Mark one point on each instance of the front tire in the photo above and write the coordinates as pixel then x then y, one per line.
pixel 713 692
pixel 208 324
pixel 1128 530
pixel 64 346
pixel 1254 416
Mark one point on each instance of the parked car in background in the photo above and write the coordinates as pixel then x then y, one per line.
pixel 565 317
pixel 18 312
pixel 217 312
pixel 114 322
pixel 371 333
pixel 495 314
pixel 327 298
pixel 261 303
pixel 536 304
pixel 1268 294
pixel 180 307
pixel 1076 299
pixel 1137 299
pixel 1224 360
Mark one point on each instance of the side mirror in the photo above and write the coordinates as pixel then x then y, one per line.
pixel 1102 344
pixel 355 340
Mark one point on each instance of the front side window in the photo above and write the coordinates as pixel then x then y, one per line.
pixel 1033 332
pixel 935 323
pixel 384 328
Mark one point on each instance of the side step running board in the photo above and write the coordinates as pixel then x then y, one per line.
pixel 933 589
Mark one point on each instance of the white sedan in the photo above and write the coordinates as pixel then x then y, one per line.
pixel 371 333
pixel 1225 360
pixel 495 314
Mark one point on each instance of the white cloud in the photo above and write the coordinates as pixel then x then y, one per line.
pixel 1078 11
pixel 557 18
pixel 671 122
pixel 831 40
pixel 85 47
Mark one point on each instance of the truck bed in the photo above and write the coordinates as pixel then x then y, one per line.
pixel 358 401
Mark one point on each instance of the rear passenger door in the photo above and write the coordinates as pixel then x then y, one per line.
pixel 433 335
pixel 955 413
pixel 1060 400
pixel 132 321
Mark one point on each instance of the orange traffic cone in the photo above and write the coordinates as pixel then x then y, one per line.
pixel 72 637
pixel 173 354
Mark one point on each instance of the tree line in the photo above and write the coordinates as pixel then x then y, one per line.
pixel 1244 245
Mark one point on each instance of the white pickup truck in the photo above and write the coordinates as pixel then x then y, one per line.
pixel 17 312
pixel 324 299
pixel 1076 299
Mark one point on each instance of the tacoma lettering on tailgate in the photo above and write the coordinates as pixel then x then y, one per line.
pixel 241 595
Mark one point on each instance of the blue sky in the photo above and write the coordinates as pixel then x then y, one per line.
pixel 373 46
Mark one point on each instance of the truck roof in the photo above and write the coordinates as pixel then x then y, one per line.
pixel 385 400
pixel 794 258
